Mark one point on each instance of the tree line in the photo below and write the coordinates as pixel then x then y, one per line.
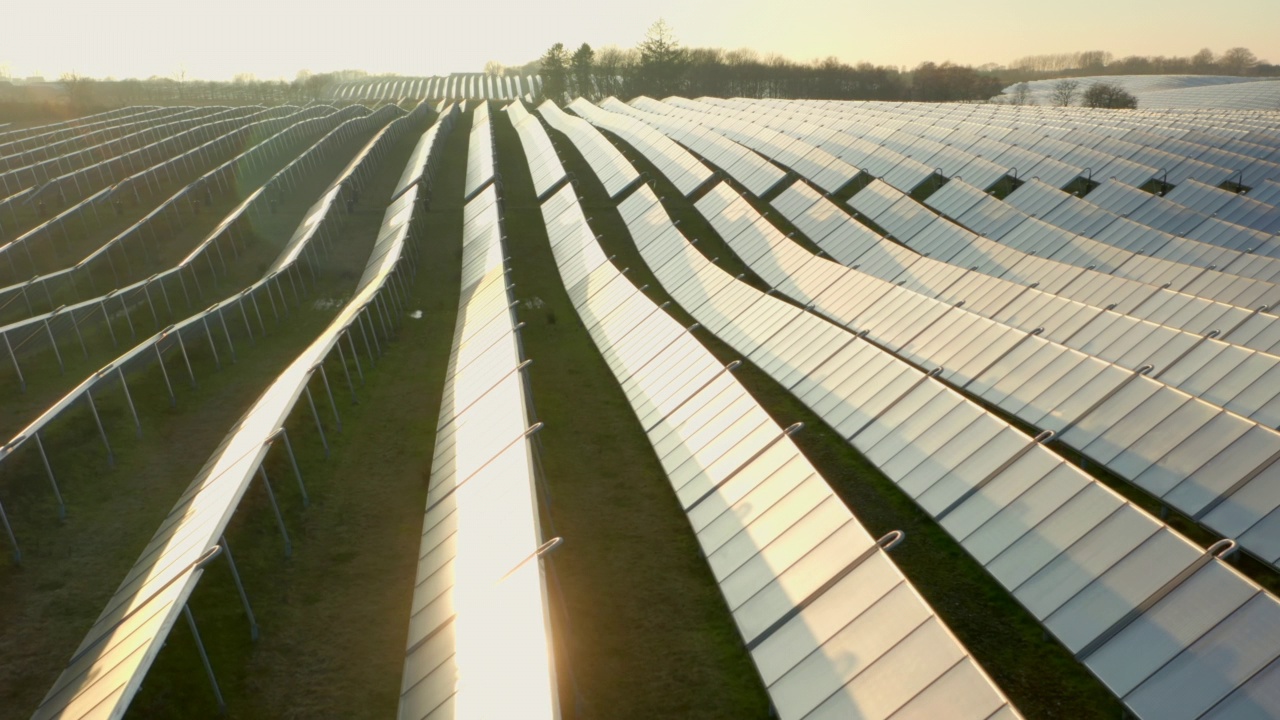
pixel 73 95
pixel 659 66
pixel 1238 61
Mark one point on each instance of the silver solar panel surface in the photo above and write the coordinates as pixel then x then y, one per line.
pixel 110 664
pixel 832 626
pixel 947 453
pixel 479 641
pixel 608 164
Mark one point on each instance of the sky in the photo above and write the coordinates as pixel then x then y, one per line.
pixel 277 38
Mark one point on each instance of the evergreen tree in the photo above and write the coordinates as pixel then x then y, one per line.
pixel 554 71
pixel 662 61
pixel 583 63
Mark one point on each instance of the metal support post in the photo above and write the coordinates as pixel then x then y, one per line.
pixel 22 381
pixel 316 416
pixel 244 597
pixel 293 460
pixel 329 391
pixel 129 398
pixel 93 407
pixel 53 481
pixel 204 658
pixel 183 347
pixel 275 508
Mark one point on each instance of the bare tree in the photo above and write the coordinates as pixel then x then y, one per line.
pixel 1203 62
pixel 1238 61
pixel 613 66
pixel 79 89
pixel 1021 94
pixel 1108 95
pixel 1064 92
pixel 180 77
pixel 1094 60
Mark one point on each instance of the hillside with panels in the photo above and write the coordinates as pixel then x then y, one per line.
pixel 661 408
pixel 1182 92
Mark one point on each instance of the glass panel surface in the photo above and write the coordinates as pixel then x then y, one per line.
pixel 1121 589
pixel 1083 561
pixel 1172 624
pixel 1216 664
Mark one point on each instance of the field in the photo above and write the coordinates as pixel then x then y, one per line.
pixel 319 270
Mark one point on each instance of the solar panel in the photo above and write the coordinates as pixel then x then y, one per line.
pixel 543 161
pixel 740 163
pixel 829 622
pixel 608 164
pixel 681 167
pixel 480 620
pixel 1081 559
pixel 110 664
pixel 27 337
pixel 1090 392
pixel 480 163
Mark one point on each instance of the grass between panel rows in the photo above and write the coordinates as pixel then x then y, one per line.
pixel 1040 677
pixel 71 569
pixel 642 628
pixel 259 245
pixel 334 616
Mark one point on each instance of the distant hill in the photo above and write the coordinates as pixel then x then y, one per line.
pixel 1179 91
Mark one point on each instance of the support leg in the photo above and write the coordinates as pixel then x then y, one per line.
pixel 275 508
pixel 204 658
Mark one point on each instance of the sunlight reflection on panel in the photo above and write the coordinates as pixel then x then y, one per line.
pixel 111 663
pixel 782 547
pixel 479 638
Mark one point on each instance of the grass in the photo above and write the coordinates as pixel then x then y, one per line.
pixel 642 629
pixel 71 569
pixel 334 616
pixel 46 382
pixel 1041 678
pixel 160 244
pixel 27 217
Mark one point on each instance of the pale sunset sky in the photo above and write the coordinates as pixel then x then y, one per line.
pixel 277 38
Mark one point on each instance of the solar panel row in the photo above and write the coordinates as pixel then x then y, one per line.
pixel 746 167
pixel 129 135
pixel 821 167
pixel 479 635
pixel 480 165
pixel 548 171
pixel 609 166
pixel 128 152
pixel 1142 429
pixel 1043 248
pixel 1212 503
pixel 1027 142
pixel 1100 573
pixel 452 88
pixel 1117 336
pixel 686 172
pixel 39 331
pixel 831 624
pixel 202 327
pixel 1110 621
pixel 42 134
pixel 110 664
pixel 109 185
